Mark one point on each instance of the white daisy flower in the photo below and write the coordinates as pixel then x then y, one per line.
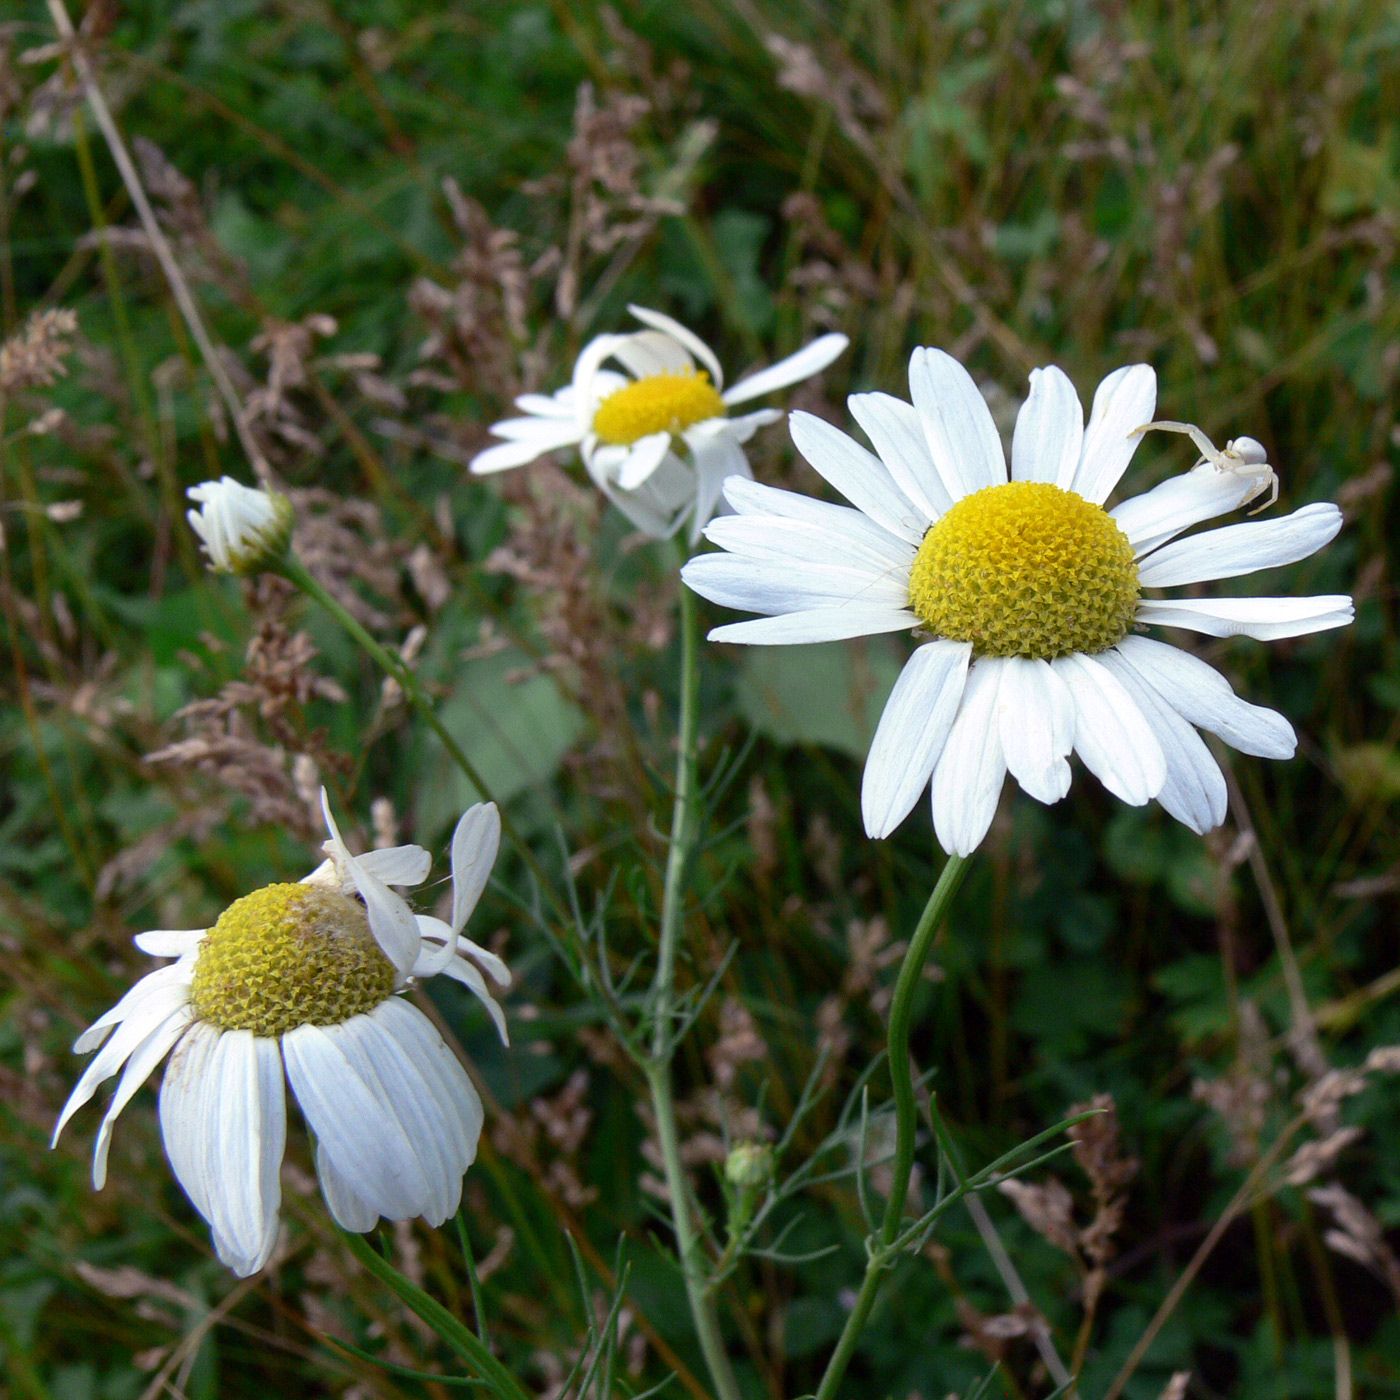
pixel 627 425
pixel 1029 590
pixel 302 978
pixel 242 530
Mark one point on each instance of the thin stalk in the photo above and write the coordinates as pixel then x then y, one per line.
pixel 159 244
pixel 698 1291
pixel 296 572
pixel 683 826
pixel 881 1251
pixel 1238 1202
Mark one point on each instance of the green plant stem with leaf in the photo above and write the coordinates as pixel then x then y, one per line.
pixel 684 823
pixel 882 1249
pixel 450 1329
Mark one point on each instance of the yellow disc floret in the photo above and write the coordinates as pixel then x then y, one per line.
pixel 288 956
pixel 1026 569
pixel 660 403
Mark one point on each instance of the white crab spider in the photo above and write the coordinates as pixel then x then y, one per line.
pixel 1243 456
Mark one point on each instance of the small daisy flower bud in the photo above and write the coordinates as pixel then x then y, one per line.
pixel 243 530
pixel 748 1173
pixel 749 1166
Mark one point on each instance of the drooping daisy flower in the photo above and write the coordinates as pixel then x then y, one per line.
pixel 1029 591
pixel 303 977
pixel 244 530
pixel 629 426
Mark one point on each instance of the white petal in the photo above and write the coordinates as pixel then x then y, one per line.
pixel 687 338
pixel 1124 401
pixel 143 1019
pixel 606 382
pixel 390 920
pixel 334 846
pixel 397 865
pixel 912 731
pixel 896 431
pixel 602 459
pixel 559 404
pixel 384 1063
pixel 437 948
pixel 169 943
pixel 968 777
pixel 1241 549
pixel 365 1142
pixel 441 1067
pixel 843 536
pixel 346 1208
pixel 245 1136
pixel 787 585
pixel 1265 619
pixel 962 437
pixel 742 428
pixel 860 476
pixel 650 353
pixel 1035 712
pixel 587 390
pixel 750 498
pixel 422 1090
pixel 1049 431
pixel 1110 734
pixel 505 455
pixel 1194 792
pixel 1178 503
pixel 138 1069
pixel 460 970
pixel 475 843
pixel 644 457
pixel 810 360
pixel 833 624
pixel 173 974
pixel 659 505
pixel 720 458
pixel 1203 697
pixel 496 969
pixel 186 1112
pixel 537 430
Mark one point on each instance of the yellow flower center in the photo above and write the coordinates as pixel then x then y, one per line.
pixel 1026 569
pixel 288 956
pixel 660 403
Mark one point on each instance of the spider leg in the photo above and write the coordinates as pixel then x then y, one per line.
pixel 1208 450
pixel 1271 487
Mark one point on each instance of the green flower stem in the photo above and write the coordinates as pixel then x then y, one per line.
pixel 296 572
pixel 880 1248
pixel 698 1292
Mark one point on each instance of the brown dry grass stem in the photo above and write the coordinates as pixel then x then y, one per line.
pixel 159 245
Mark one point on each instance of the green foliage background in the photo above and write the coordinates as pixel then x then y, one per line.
pixel 1214 187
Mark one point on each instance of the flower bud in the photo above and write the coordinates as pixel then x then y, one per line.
pixel 749 1167
pixel 243 530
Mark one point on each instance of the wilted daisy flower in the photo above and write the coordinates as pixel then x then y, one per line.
pixel 1029 591
pixel 243 530
pixel 627 425
pixel 302 978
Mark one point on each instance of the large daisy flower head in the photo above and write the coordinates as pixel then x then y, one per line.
pixel 1029 593
pixel 303 979
pixel 654 429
